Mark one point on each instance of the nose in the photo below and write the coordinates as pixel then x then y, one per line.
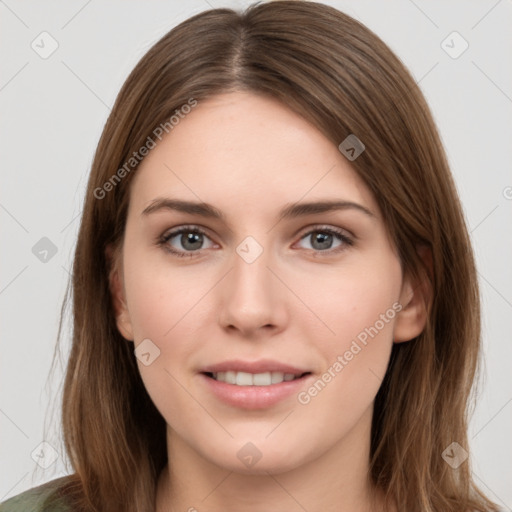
pixel 253 301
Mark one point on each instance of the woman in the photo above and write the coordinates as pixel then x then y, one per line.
pixel 274 294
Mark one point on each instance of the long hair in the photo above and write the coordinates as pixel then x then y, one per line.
pixel 341 77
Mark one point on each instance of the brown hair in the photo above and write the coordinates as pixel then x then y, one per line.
pixel 341 77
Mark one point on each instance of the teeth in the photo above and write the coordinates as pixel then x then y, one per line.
pixel 277 377
pixel 253 379
pixel 230 377
pixel 262 379
pixel 244 379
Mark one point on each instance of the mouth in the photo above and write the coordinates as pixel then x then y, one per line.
pixel 254 384
pixel 239 378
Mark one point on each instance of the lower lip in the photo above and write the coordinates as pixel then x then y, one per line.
pixel 254 397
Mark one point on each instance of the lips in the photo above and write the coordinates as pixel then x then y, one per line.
pixel 254 367
pixel 253 385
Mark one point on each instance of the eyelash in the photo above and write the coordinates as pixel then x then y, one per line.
pixel 340 235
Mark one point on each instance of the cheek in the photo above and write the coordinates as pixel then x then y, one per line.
pixel 359 306
pixel 165 307
pixel 357 299
pixel 160 297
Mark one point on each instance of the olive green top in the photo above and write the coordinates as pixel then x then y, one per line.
pixel 43 498
pixel 38 499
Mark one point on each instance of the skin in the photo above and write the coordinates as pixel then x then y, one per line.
pixel 250 156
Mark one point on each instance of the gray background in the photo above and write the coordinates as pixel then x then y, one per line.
pixel 52 114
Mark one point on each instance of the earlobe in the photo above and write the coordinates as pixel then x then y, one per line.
pixel 414 298
pixel 117 293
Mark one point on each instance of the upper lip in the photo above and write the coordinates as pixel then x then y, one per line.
pixel 260 366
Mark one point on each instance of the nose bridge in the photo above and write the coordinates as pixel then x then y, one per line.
pixel 251 297
pixel 251 278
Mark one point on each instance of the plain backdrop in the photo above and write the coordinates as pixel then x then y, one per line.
pixel 53 110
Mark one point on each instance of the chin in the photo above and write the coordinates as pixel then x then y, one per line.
pixel 258 457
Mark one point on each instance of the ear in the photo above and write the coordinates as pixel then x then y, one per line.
pixel 117 292
pixel 414 298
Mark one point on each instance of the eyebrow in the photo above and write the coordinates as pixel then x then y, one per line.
pixel 289 212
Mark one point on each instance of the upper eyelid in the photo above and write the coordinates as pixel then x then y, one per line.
pixel 326 227
pixel 185 228
pixel 305 230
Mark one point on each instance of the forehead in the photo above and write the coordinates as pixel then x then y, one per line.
pixel 246 148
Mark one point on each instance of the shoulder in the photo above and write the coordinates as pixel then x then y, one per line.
pixel 43 498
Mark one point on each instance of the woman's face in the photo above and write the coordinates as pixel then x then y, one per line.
pixel 235 278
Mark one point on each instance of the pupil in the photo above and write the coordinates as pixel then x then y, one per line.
pixel 189 239
pixel 324 240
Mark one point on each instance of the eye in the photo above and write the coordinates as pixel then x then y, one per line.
pixel 326 239
pixel 185 241
pixel 188 241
